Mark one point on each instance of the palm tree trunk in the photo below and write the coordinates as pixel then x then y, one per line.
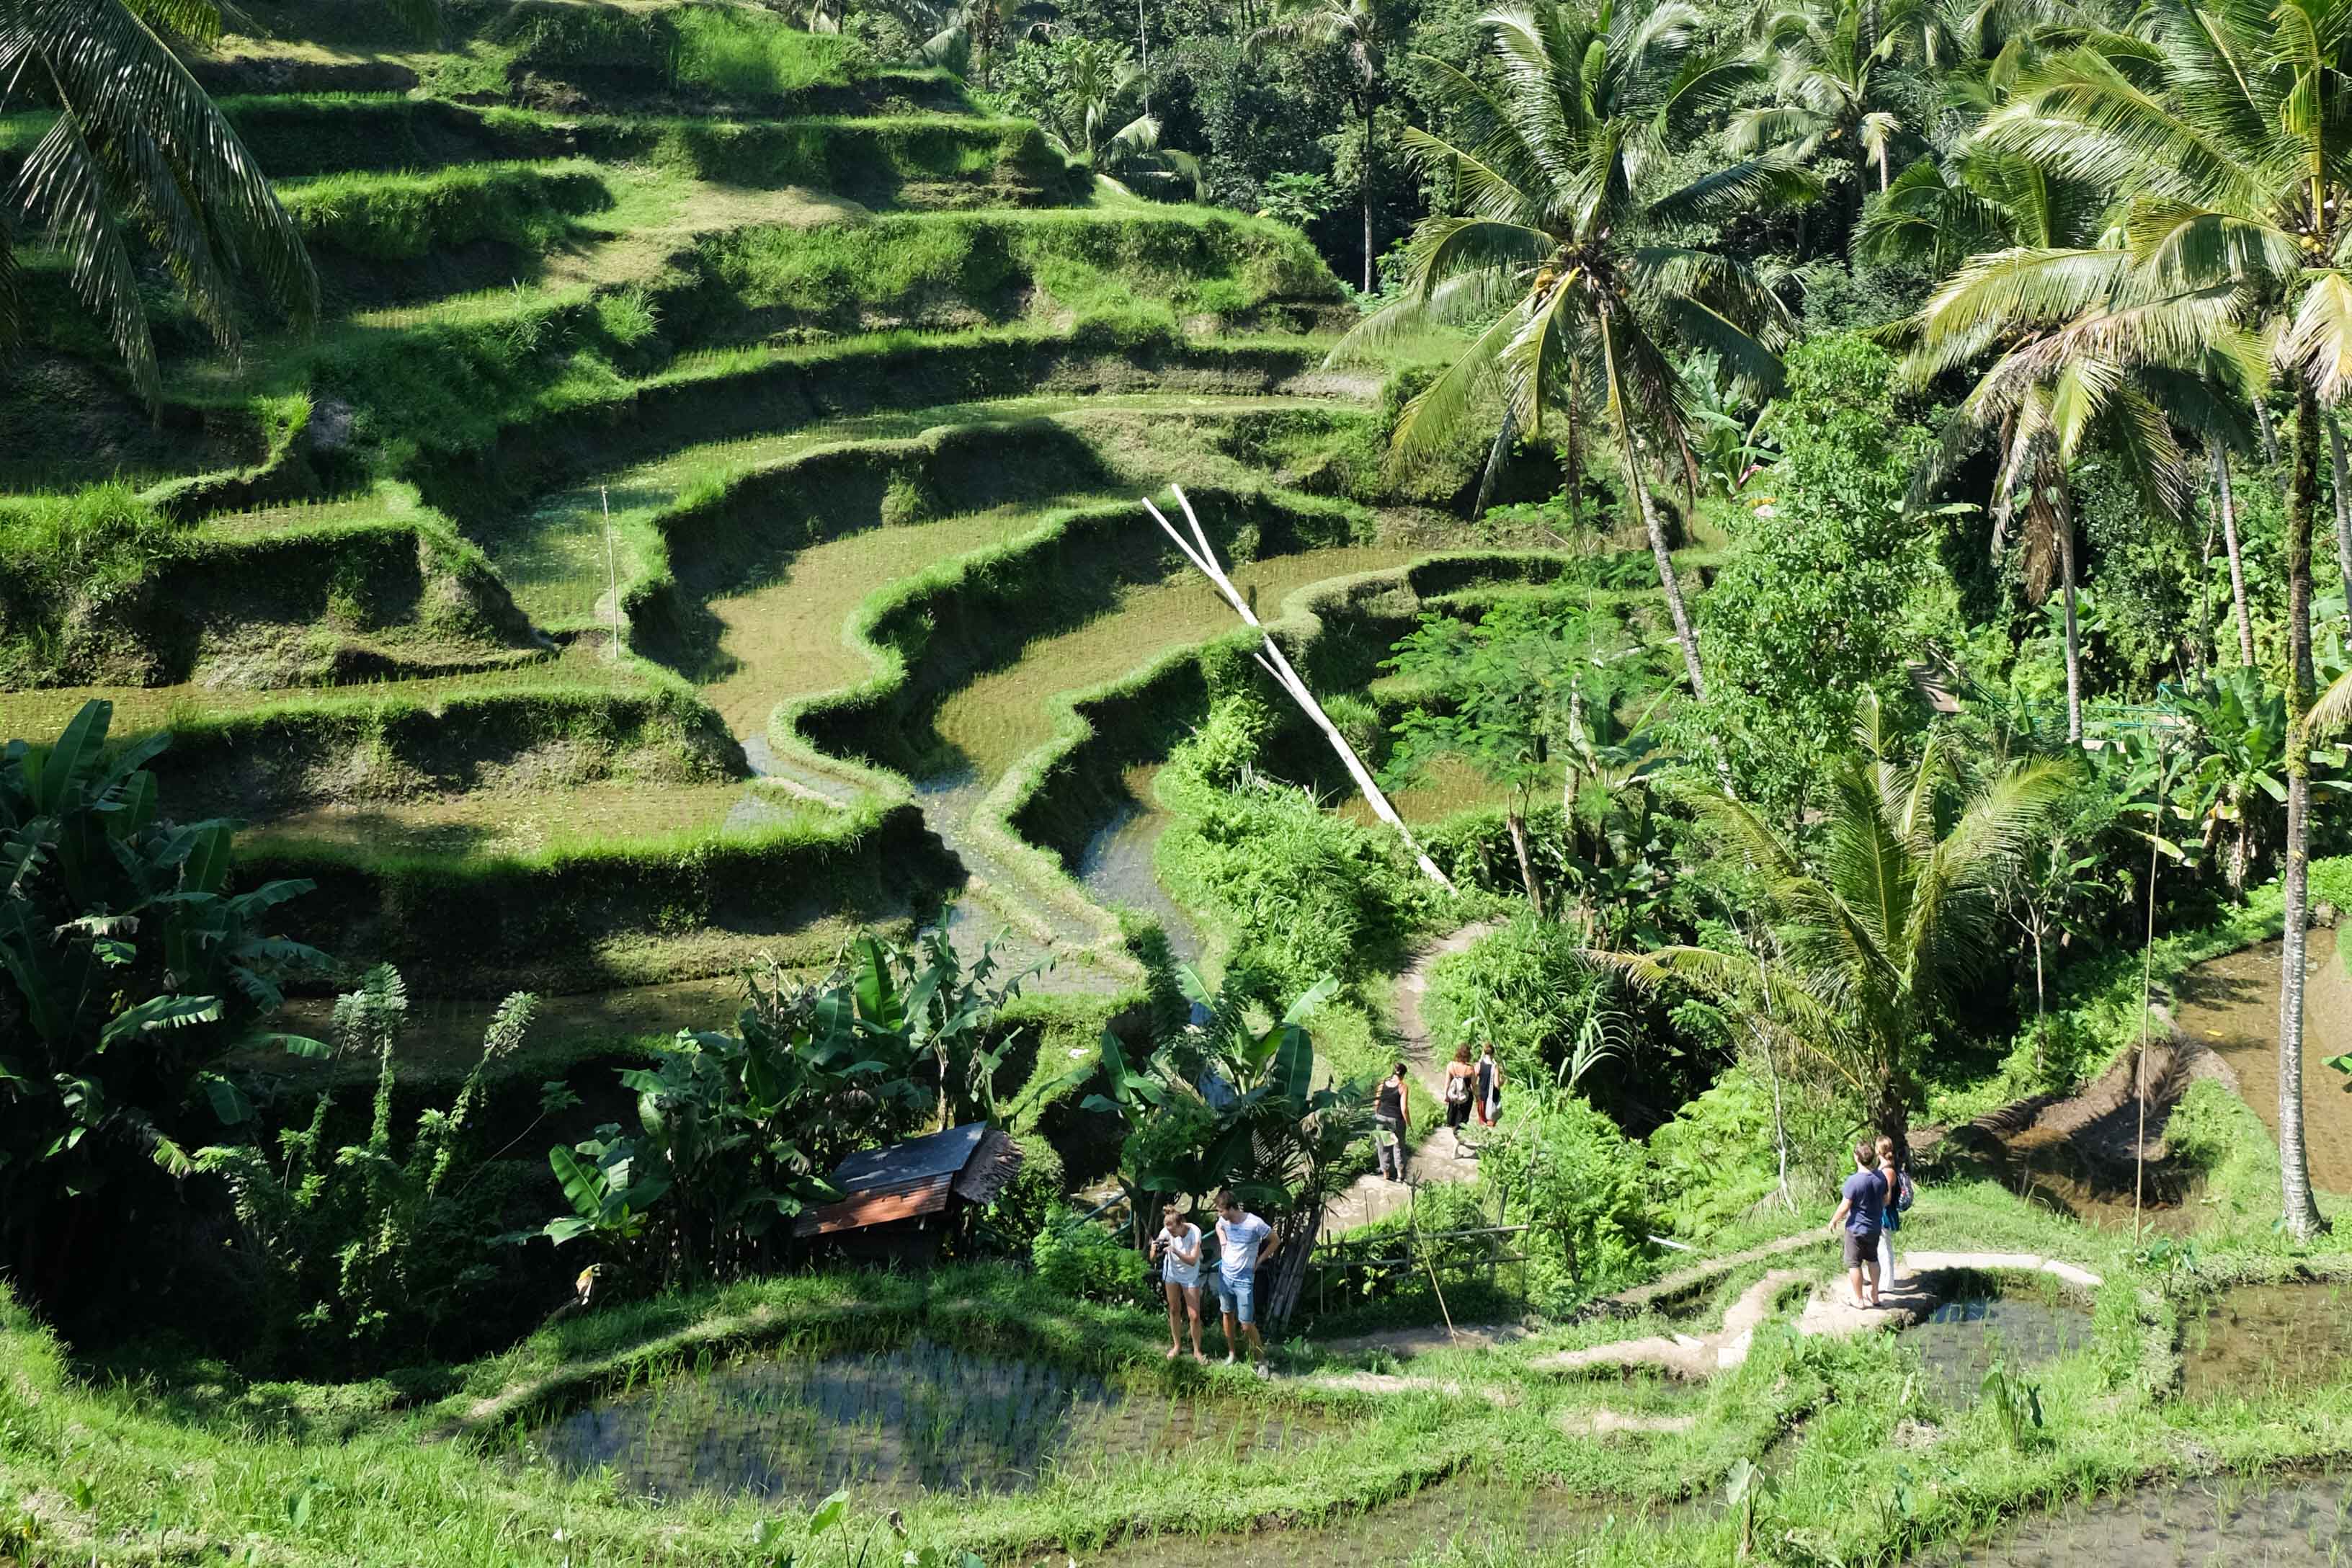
pixel 1364 178
pixel 1493 470
pixel 2237 562
pixel 2269 435
pixel 1685 633
pixel 2343 504
pixel 2301 1213
pixel 2073 641
pixel 1511 819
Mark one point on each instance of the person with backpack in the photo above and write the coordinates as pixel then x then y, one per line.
pixel 1490 1087
pixel 1460 1079
pixel 1391 1119
pixel 1899 1194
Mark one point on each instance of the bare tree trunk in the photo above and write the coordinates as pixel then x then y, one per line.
pixel 2269 435
pixel 1575 464
pixel 1276 663
pixel 2237 562
pixel 2343 504
pixel 1526 867
pixel 2301 1212
pixel 2074 642
pixel 1685 633
pixel 1364 176
pixel 1494 459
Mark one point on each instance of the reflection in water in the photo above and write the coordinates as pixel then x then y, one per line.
pixel 2269 1523
pixel 2259 1339
pixel 919 1419
pixel 1117 866
pixel 1959 1341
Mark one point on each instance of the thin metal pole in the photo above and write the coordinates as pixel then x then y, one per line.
pixel 611 571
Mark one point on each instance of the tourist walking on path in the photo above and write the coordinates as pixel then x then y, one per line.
pixel 1243 1241
pixel 1391 1120
pixel 1859 1211
pixel 1461 1079
pixel 1178 1248
pixel 1490 1087
pixel 1895 1182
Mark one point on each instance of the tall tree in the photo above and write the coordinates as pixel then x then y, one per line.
pixel 2222 131
pixel 1552 226
pixel 1829 60
pixel 1354 28
pixel 134 149
pixel 1882 927
pixel 2039 402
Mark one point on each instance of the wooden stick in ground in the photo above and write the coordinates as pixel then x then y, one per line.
pixel 1276 663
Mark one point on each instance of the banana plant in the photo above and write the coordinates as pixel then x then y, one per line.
pixel 131 969
pixel 1228 1103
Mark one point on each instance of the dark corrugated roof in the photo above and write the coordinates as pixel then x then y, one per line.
pixel 936 1154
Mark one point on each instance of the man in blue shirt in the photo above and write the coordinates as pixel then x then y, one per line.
pixel 1243 1241
pixel 1860 1211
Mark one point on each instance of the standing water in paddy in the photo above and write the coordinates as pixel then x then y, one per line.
pixel 921 1419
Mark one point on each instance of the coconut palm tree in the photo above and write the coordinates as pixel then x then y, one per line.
pixel 2222 132
pixel 1877 931
pixel 1829 60
pixel 133 147
pixel 1553 249
pixel 1354 28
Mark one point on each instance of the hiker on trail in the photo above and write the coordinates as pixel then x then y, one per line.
pixel 1391 1119
pixel 1178 1248
pixel 1490 1087
pixel 1860 1210
pixel 1461 1079
pixel 1895 1182
pixel 1243 1241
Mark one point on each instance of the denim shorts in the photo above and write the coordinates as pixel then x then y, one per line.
pixel 1174 1273
pixel 1241 1296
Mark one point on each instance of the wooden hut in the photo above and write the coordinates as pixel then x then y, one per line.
pixel 898 1201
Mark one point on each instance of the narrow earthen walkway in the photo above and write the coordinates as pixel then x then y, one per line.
pixel 1921 1280
pixel 1439 1157
pixel 1688 1355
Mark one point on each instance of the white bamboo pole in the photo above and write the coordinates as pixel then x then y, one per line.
pixel 1272 659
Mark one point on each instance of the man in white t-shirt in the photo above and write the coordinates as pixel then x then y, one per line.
pixel 1243 1241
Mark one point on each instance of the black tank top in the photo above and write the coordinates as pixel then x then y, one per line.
pixel 1391 1101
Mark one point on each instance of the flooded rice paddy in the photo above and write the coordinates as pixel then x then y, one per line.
pixel 1470 1519
pixel 1963 1338
pixel 921 1419
pixel 2259 1339
pixel 2266 1522
pixel 2232 1004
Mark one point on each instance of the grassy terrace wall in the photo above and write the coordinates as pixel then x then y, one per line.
pixel 1335 632
pixel 711 397
pixel 930 632
pixel 582 920
pixel 343 748
pixel 1186 262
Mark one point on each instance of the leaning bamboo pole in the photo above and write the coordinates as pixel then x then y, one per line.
pixel 1276 663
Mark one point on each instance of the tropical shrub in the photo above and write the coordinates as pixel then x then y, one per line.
pixel 130 972
pixel 1827 595
pixel 1226 1103
pixel 1565 1170
pixel 365 1242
